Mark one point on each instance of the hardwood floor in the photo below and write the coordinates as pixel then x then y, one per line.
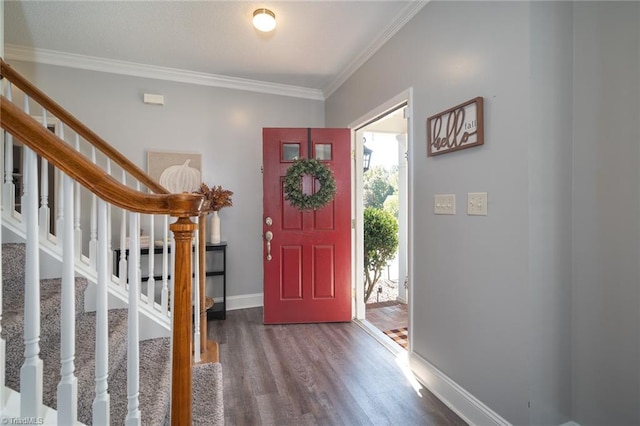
pixel 308 374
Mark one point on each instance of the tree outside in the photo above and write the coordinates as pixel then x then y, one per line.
pixel 391 205
pixel 377 187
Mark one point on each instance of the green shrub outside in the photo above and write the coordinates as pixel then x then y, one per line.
pixel 380 245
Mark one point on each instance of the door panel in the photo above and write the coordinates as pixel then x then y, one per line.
pixel 325 219
pixel 323 263
pixel 307 278
pixel 291 284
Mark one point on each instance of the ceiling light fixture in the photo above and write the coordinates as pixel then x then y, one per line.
pixel 264 20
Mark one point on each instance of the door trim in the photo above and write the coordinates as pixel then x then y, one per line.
pixel 357 202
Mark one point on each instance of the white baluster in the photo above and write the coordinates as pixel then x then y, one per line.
pixel 60 204
pixel 31 371
pixel 109 240
pixel 9 191
pixel 133 350
pixel 109 234
pixel 68 386
pixel 60 210
pixel 196 297
pixel 77 230
pixel 43 213
pixel 151 283
pixel 93 230
pixel 164 301
pixel 2 341
pixel 122 262
pixel 101 401
pixel 138 235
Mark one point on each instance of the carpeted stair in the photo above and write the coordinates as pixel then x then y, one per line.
pixel 155 354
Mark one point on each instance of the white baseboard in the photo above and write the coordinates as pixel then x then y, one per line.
pixel 465 405
pixel 244 301
pixel 382 338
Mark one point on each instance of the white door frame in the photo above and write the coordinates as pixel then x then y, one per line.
pixel 357 206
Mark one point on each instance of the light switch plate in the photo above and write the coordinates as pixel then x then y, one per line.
pixel 444 204
pixel 477 204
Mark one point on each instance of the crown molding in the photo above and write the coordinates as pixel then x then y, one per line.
pixel 92 63
pixel 405 15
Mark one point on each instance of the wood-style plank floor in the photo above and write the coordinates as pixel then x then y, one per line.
pixel 315 374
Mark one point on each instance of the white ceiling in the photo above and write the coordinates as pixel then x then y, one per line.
pixel 316 44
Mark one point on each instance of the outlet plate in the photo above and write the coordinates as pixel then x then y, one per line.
pixel 444 204
pixel 477 204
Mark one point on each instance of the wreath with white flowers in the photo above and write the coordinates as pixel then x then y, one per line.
pixel 293 187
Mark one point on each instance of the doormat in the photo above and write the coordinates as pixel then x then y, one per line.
pixel 400 336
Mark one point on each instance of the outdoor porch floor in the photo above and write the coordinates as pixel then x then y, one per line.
pixel 388 315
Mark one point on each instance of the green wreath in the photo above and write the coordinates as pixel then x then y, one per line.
pixel 293 187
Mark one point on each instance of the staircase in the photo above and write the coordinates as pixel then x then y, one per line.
pixel 79 350
pixel 155 354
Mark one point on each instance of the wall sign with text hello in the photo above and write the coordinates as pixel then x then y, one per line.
pixel 456 128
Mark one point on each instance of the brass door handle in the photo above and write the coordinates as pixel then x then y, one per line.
pixel 268 236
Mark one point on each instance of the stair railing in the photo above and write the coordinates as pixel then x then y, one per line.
pixel 78 166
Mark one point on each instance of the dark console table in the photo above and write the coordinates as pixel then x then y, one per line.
pixel 216 267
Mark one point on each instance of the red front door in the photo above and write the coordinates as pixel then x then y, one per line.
pixel 308 276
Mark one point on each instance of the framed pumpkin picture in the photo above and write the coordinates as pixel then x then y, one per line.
pixel 177 171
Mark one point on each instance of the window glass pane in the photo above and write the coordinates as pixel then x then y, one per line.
pixel 323 151
pixel 290 151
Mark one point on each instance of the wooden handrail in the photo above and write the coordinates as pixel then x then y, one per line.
pixel 89 135
pixel 34 135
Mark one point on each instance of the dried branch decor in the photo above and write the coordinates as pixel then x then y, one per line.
pixel 215 197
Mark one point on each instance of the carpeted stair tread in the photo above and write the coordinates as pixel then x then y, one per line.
pixel 207 400
pixel 207 394
pixel 13 326
pixel 85 359
pixel 155 354
pixel 155 383
pixel 50 295
pixel 13 267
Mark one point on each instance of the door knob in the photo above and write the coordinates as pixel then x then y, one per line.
pixel 268 236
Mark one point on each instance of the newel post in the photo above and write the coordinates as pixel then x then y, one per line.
pixel 182 328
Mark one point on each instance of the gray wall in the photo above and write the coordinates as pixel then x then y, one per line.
pixel 470 276
pixel 606 213
pixel 550 211
pixel 537 302
pixel 224 125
